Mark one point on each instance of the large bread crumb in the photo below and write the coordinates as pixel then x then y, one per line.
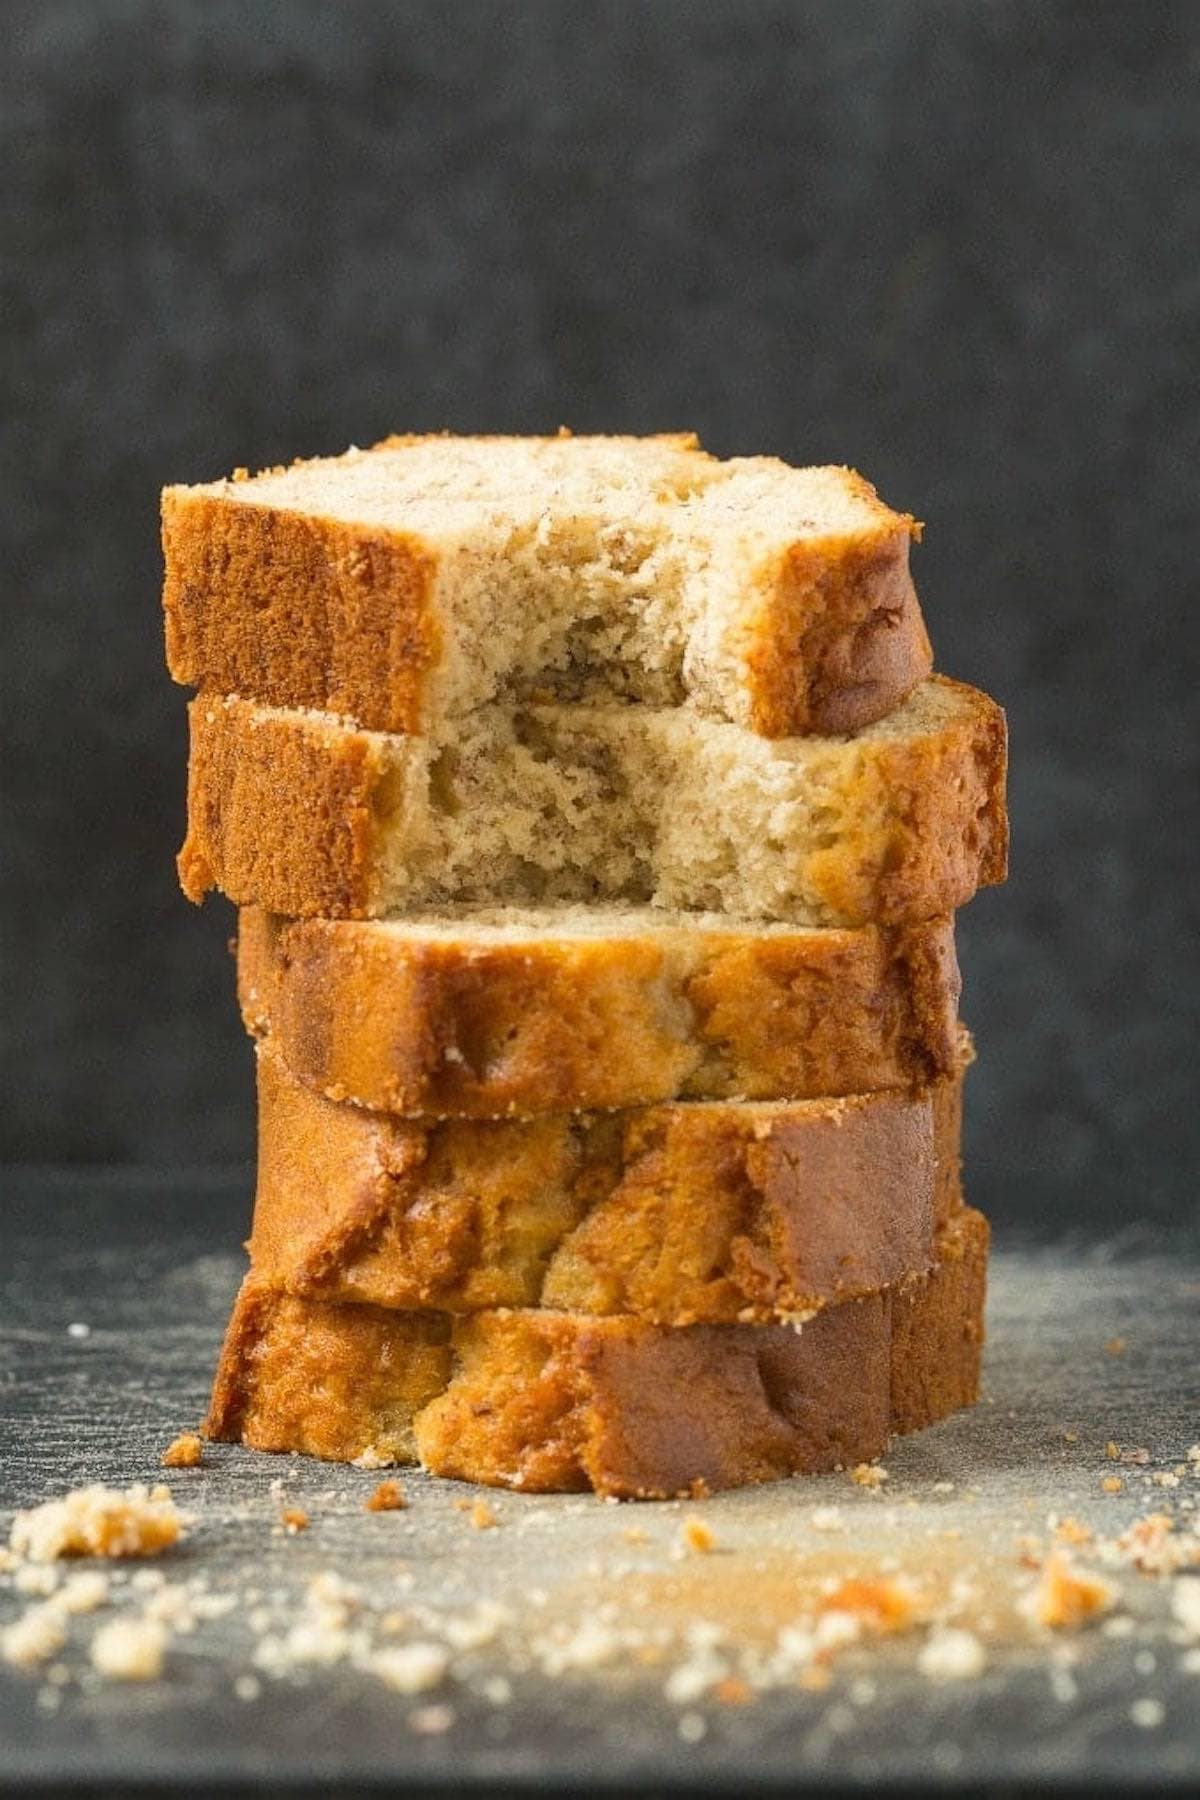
pixel 130 1649
pixel 98 1521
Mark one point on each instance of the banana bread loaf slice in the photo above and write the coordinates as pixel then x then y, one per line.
pixel 721 1211
pixel 484 1012
pixel 303 815
pixel 551 1401
pixel 407 585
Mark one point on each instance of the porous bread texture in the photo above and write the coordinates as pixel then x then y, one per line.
pixel 479 1012
pixel 550 1401
pixel 714 1211
pixel 407 585
pixel 305 816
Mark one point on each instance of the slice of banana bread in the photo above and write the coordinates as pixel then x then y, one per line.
pixel 553 1401
pixel 407 585
pixel 483 1012
pixel 303 815
pixel 721 1211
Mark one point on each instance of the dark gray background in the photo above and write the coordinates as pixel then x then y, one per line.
pixel 954 244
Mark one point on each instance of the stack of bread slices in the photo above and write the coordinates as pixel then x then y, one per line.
pixel 597 828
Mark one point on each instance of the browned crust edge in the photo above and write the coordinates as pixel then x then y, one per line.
pixel 678 1213
pixel 547 1402
pixel 472 1029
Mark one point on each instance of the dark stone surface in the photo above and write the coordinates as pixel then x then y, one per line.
pixel 952 244
pixel 148 1267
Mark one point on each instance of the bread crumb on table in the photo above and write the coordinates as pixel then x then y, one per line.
pixel 99 1521
pixel 35 1637
pixel 480 1514
pixel 869 1475
pixel 410 1668
pixel 130 1649
pixel 695 1535
pixel 1065 1597
pixel 827 1518
pixel 184 1452
pixel 951 1654
pixel 389 1496
pixel 294 1519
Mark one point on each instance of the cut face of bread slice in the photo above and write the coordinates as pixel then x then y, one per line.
pixel 479 1012
pixel 554 1401
pixel 410 584
pixel 717 1211
pixel 302 815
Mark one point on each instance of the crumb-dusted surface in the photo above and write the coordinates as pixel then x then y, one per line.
pixel 552 1402
pixel 306 815
pixel 137 1266
pixel 469 1015
pixel 690 1211
pixel 404 585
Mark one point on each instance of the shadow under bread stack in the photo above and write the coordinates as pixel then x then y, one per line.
pixel 597 828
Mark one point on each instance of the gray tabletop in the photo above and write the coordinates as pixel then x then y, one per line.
pixel 567 1625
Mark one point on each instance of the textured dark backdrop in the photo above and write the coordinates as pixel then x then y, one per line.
pixel 952 243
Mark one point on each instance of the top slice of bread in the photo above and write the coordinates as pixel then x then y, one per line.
pixel 402 587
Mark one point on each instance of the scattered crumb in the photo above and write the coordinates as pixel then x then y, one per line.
pixel 374 1458
pixel 635 1535
pixel 482 1516
pixel 35 1637
pixel 36 1580
pixel 1185 1604
pixel 294 1519
pixel 130 1649
pixel 1065 1597
pixel 1071 1437
pixel 1112 1484
pixel 589 1647
pixel 410 1668
pixel 1147 1713
pixel 696 1536
pixel 733 1691
pixel 77 1329
pixel 99 1521
pixel 827 1518
pixel 1073 1531
pixel 184 1452
pixel 1136 1458
pixel 869 1475
pixel 1112 1451
pixel 1115 1347
pixel 1163 1478
pixel 950 1654
pixel 84 1592
pixel 431 1721
pixel 389 1496
pixel 883 1604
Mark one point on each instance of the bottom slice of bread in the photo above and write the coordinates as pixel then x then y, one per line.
pixel 556 1402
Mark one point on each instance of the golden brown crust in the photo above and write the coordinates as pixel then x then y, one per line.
pixel 473 1027
pixel 548 1401
pixel 291 812
pixel 300 610
pixel 700 1211
pixel 296 1377
pixel 841 639
pixel 294 813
